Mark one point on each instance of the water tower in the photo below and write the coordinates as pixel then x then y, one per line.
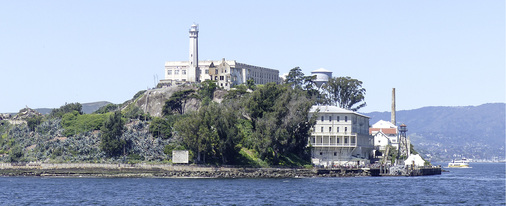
pixel 322 76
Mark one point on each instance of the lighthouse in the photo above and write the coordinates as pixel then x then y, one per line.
pixel 194 70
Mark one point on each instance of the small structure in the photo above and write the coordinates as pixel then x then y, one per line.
pixel 340 137
pixel 180 156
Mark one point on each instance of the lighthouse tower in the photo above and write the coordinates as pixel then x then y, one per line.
pixel 194 70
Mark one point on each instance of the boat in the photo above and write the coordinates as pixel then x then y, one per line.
pixel 463 163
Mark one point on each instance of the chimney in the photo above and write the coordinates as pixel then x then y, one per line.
pixel 392 119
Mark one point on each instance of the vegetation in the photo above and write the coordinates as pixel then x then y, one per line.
pixel 111 142
pixel 67 108
pixel 256 125
pixel 73 123
pixel 345 92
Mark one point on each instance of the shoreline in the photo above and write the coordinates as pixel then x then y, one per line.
pixel 143 170
pixel 164 171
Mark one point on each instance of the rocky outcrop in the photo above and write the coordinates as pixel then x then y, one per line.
pixel 153 100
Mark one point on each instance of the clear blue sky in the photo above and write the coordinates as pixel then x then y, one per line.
pixel 435 53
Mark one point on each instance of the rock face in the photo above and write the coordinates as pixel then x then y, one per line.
pixel 153 100
pixel 26 113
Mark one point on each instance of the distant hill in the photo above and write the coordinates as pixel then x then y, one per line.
pixel 88 108
pixel 476 132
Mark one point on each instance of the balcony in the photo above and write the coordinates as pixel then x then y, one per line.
pixel 324 144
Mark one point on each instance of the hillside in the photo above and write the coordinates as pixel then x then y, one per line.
pixel 88 108
pixel 476 132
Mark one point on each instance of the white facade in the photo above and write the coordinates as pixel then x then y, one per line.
pixel 384 133
pixel 340 137
pixel 226 73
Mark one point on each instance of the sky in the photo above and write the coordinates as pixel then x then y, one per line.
pixel 435 53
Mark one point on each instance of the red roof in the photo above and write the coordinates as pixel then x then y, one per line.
pixel 384 130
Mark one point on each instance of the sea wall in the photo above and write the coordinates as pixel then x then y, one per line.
pixel 147 170
pixel 186 171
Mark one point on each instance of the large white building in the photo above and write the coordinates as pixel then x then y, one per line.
pixel 340 137
pixel 226 73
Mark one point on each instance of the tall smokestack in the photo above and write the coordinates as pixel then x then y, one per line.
pixel 392 119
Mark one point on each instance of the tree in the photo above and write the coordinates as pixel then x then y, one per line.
pixel 295 77
pixel 177 102
pixel 33 121
pixel 297 80
pixel 345 92
pixel 111 142
pixel 162 126
pixel 58 113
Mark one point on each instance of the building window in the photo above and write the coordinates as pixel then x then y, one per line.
pixel 335 153
pixel 207 71
pixel 322 118
pixel 330 118
pixel 184 80
pixel 169 72
pixel 337 129
pixel 321 153
pixel 322 129
pixel 338 118
pixel 345 129
pixel 330 129
pixel 345 118
pixel 222 78
pixel 183 71
pixel 346 140
pixel 176 72
pixel 353 140
pixel 314 140
pixel 338 140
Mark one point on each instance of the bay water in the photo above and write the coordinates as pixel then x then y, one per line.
pixel 483 184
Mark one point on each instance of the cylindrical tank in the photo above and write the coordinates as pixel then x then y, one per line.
pixel 322 76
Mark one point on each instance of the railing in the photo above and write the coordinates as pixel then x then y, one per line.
pixel 334 144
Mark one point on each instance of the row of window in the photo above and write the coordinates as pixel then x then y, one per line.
pixel 330 129
pixel 337 140
pixel 176 72
pixel 338 118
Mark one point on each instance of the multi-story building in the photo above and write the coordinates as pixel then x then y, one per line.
pixel 226 73
pixel 339 137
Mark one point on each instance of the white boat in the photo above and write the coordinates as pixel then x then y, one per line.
pixel 463 163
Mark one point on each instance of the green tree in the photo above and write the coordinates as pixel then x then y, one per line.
pixel 295 78
pixel 107 108
pixel 67 108
pixel 161 127
pixel 33 121
pixel 177 102
pixel 298 80
pixel 345 92
pixel 111 142
pixel 206 91
pixel 16 154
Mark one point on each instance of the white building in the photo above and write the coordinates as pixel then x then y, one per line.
pixel 340 137
pixel 226 73
pixel 384 133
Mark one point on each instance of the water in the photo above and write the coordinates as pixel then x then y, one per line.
pixel 483 184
